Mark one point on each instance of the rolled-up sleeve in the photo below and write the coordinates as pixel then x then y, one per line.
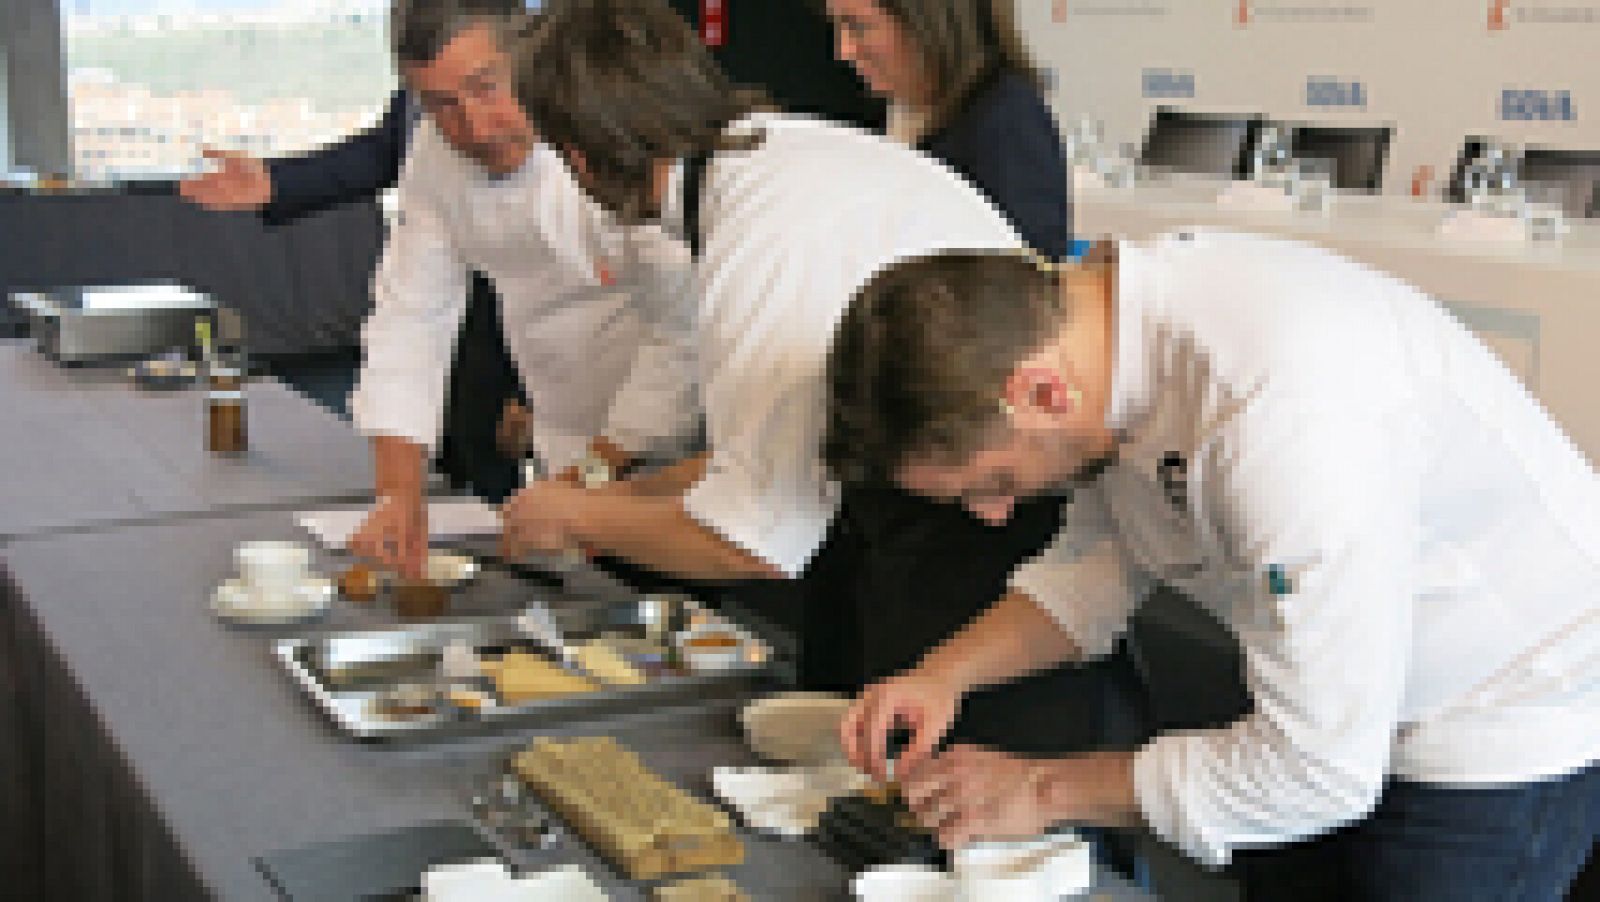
pixel 764 489
pixel 1084 580
pixel 419 294
pixel 1321 505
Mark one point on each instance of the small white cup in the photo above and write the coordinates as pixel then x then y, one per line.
pixel 904 883
pixel 272 571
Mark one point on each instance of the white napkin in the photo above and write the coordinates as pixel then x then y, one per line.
pixel 1046 869
pixel 490 881
pixel 1469 225
pixel 1253 197
pixel 455 518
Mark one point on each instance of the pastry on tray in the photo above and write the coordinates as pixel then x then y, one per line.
pixel 522 677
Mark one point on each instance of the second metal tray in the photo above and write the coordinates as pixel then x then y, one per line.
pixel 347 674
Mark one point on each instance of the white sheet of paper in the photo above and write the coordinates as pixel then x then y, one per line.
pixel 1249 196
pixel 452 519
pixel 1468 225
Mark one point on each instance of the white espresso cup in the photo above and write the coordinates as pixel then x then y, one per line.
pixel 272 571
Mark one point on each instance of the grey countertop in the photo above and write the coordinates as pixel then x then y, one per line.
pixel 234 760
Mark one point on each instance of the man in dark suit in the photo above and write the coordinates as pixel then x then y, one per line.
pixel 283 190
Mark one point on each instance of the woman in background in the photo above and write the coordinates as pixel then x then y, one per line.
pixel 900 573
pixel 962 87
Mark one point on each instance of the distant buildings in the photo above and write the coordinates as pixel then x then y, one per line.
pixel 122 128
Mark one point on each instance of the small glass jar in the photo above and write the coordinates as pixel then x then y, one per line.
pixel 226 432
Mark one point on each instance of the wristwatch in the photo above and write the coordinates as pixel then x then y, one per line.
pixel 595 471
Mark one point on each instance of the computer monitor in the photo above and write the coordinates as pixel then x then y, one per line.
pixel 1573 174
pixel 1358 153
pixel 1202 143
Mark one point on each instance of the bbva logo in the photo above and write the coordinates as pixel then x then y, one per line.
pixel 1333 92
pixel 1168 84
pixel 1525 105
pixel 1499 15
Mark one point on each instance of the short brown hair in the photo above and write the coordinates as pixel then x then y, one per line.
pixel 961 44
pixel 920 362
pixel 626 83
pixel 420 29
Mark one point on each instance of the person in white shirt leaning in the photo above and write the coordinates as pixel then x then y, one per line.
pixel 1405 544
pixel 797 213
pixel 584 303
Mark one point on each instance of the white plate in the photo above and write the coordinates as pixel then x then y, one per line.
pixel 785 801
pixel 231 601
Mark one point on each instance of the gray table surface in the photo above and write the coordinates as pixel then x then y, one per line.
pixel 225 757
pixel 82 448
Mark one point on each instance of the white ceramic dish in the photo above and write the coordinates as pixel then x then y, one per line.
pixel 309 599
pixel 785 801
pixel 272 567
pixel 712 659
pixel 161 374
pixel 491 881
pixel 796 727
pixel 1042 870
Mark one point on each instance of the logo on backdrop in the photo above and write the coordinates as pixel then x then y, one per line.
pixel 1502 13
pixel 1323 91
pixel 1167 84
pixel 1537 105
pixel 1061 10
pixel 1499 15
pixel 1256 12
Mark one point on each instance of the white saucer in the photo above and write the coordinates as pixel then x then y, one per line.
pixel 231 601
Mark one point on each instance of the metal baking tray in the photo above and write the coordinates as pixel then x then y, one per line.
pixel 84 324
pixel 347 675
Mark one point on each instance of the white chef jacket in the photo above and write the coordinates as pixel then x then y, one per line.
pixel 1404 543
pixel 792 229
pixel 594 360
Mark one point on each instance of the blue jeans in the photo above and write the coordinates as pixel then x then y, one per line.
pixel 1523 843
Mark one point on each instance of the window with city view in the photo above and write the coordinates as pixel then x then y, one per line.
pixel 152 82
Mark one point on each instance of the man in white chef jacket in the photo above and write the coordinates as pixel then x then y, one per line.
pixel 1405 545
pixel 584 304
